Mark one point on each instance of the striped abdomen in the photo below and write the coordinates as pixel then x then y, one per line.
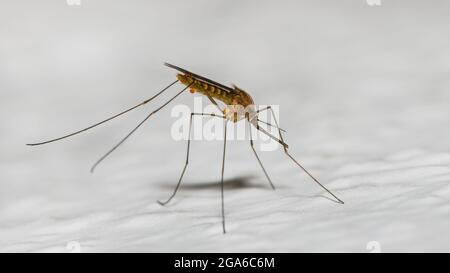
pixel 228 96
pixel 205 88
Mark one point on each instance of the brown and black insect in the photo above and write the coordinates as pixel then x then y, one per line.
pixel 239 105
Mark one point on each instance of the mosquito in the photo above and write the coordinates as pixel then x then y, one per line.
pixel 239 105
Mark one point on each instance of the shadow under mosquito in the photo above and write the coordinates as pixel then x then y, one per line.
pixel 240 182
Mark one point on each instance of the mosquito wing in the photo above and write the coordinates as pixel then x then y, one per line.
pixel 224 87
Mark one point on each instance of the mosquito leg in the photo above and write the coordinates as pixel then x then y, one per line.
pixel 187 156
pixel 257 157
pixel 276 124
pixel 285 147
pixel 106 120
pixel 273 115
pixel 279 140
pixel 313 178
pixel 223 170
pixel 135 129
pixel 215 103
pixel 270 125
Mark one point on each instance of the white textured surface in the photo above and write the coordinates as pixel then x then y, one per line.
pixel 364 94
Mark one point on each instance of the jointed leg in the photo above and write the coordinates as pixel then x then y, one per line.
pixel 275 119
pixel 213 101
pixel 187 155
pixel 282 143
pixel 285 147
pixel 223 169
pixel 270 125
pixel 135 128
pixel 257 157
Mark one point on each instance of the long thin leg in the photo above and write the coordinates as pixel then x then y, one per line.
pixel 282 143
pixel 257 157
pixel 263 109
pixel 106 120
pixel 187 155
pixel 213 101
pixel 223 170
pixel 285 147
pixel 313 178
pixel 134 130
pixel 276 124
pixel 270 125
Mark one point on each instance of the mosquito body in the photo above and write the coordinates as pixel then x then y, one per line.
pixel 237 101
pixel 239 105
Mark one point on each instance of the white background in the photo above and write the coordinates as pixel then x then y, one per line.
pixel 363 93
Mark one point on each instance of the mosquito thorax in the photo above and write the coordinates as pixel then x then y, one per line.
pixel 236 112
